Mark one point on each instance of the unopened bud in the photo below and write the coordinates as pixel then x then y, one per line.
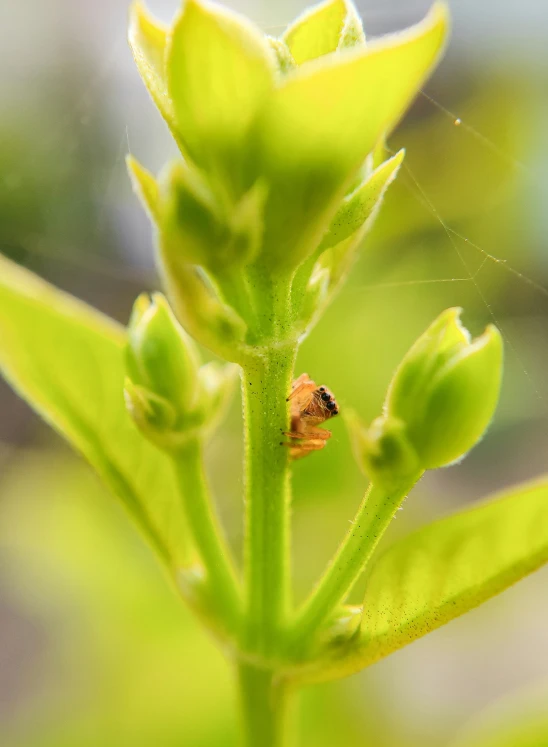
pixel 446 389
pixel 167 394
pixel 160 355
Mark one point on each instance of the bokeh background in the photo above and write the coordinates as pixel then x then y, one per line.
pixel 95 649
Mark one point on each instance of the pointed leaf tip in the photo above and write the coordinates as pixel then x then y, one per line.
pixel 362 204
pixel 147 39
pixel 317 31
pixel 145 187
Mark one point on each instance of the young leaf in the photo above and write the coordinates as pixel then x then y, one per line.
pixel 220 69
pixel 362 203
pixel 318 127
pixel 342 240
pixel 145 187
pixel 147 39
pixel 67 361
pixel 352 34
pixel 317 31
pixel 444 570
pixel 285 61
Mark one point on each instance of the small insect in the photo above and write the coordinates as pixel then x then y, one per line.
pixel 310 406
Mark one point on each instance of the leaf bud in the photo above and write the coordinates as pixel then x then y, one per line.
pixel 167 394
pixel 446 389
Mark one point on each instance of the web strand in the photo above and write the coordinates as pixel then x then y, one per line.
pixel 472 277
pixel 84 106
pixel 485 141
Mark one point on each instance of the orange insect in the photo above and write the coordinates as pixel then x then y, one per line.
pixel 310 406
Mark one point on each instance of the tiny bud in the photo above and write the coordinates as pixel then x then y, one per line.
pixel 167 394
pixel 446 389
pixel 345 625
pixel 160 355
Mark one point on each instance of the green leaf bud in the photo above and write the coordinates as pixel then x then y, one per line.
pixel 279 139
pixel 160 355
pixel 195 226
pixel 446 389
pixel 323 29
pixel 167 394
pixel 195 301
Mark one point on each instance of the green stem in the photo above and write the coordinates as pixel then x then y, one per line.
pixel 264 708
pixel 374 515
pixel 266 383
pixel 207 533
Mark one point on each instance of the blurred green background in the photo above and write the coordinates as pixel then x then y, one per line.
pixel 95 648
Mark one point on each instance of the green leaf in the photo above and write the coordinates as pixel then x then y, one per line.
pixel 145 187
pixel 352 34
pixel 444 570
pixel 317 31
pixel 148 39
pixel 67 361
pixel 318 127
pixel 220 70
pixel 362 203
pixel 342 241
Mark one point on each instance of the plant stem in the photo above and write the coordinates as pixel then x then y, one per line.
pixel 206 531
pixel 266 383
pixel 374 515
pixel 264 708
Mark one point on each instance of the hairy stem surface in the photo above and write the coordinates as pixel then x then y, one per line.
pixel 374 515
pixel 266 383
pixel 206 532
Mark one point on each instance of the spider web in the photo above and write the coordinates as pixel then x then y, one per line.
pixel 89 101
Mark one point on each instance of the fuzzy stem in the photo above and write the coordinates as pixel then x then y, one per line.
pixel 264 708
pixel 374 515
pixel 266 383
pixel 206 532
